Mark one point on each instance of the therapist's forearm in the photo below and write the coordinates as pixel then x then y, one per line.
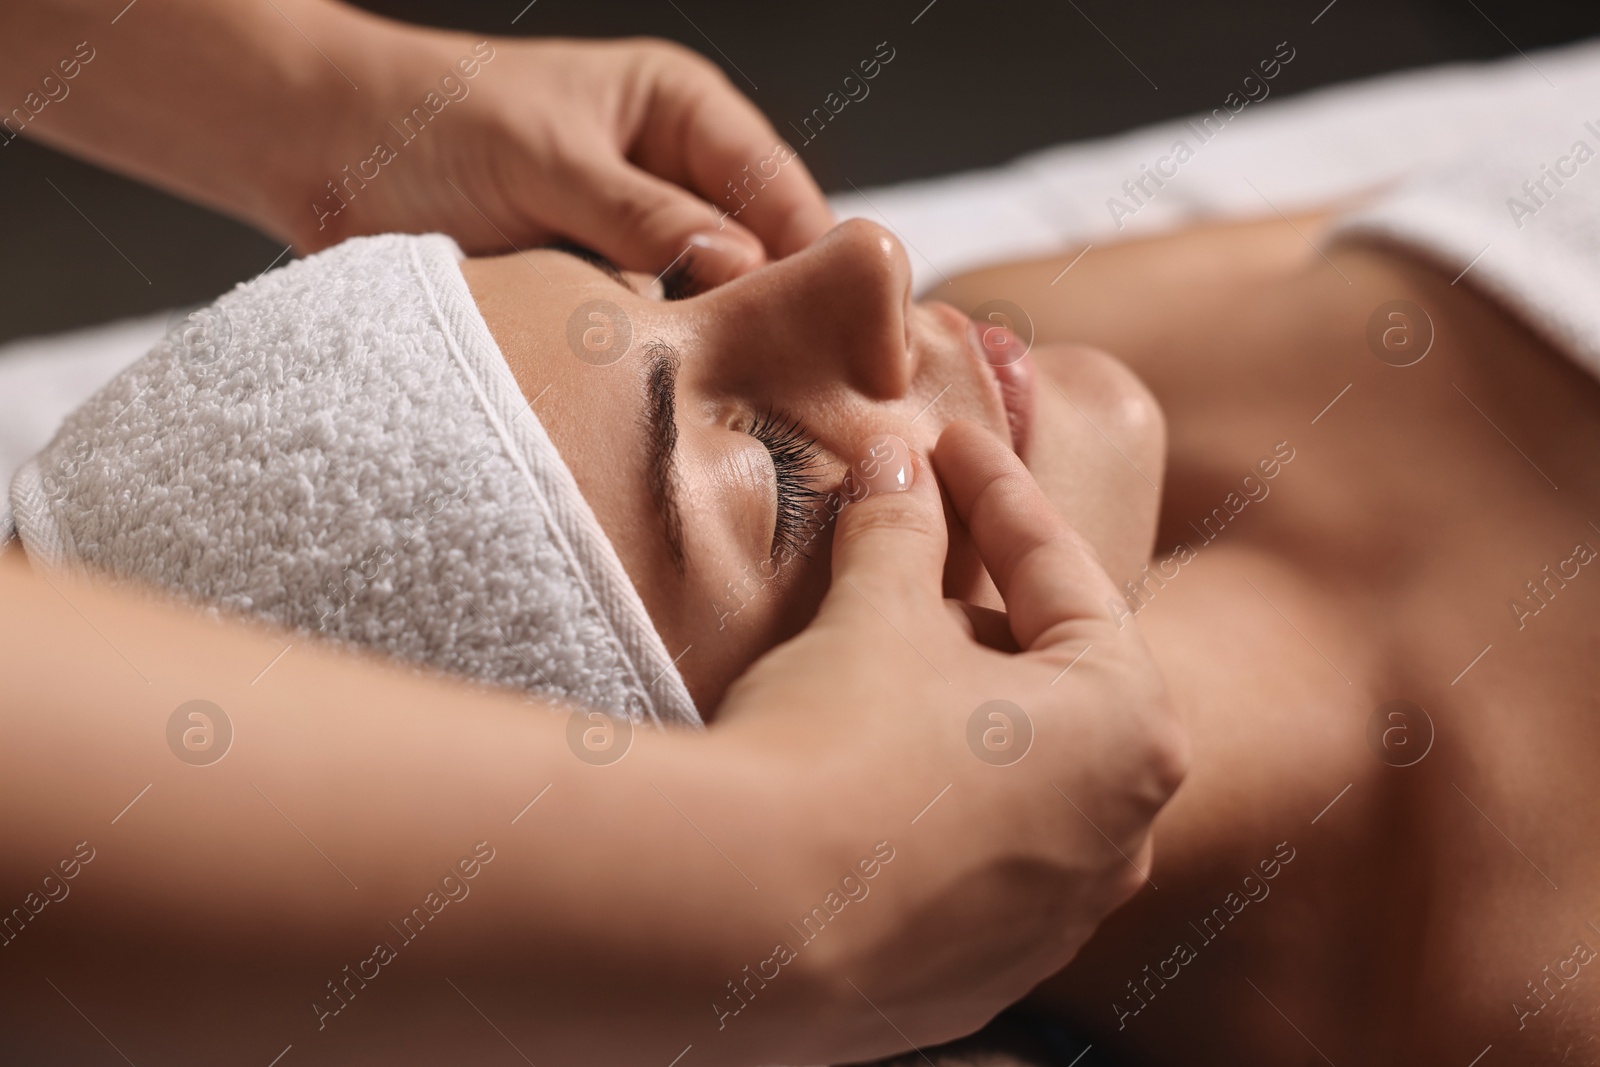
pixel 235 104
pixel 220 901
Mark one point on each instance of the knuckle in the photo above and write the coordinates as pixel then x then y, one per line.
pixel 643 45
pixel 639 216
pixel 871 519
pixel 574 159
pixel 1164 760
pixel 1154 748
pixel 671 56
pixel 1127 881
pixel 1170 759
pixel 630 208
pixel 1001 495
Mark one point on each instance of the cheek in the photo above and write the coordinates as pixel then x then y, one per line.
pixel 1099 451
pixel 730 618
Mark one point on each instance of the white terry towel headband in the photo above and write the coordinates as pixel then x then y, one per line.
pixel 340 446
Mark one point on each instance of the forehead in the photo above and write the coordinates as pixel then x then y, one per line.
pixel 579 344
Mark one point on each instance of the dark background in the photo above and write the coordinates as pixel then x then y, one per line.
pixel 974 83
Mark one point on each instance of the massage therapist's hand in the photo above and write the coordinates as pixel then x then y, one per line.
pixel 831 847
pixel 1006 869
pixel 316 121
pixel 830 854
pixel 606 143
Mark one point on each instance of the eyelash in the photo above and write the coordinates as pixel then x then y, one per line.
pixel 679 283
pixel 794 459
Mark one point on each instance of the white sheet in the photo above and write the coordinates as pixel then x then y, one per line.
pixel 44 378
pixel 1280 155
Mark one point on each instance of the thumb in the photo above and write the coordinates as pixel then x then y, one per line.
pixel 644 223
pixel 890 539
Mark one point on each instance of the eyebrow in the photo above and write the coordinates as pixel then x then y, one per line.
pixel 661 441
pixel 660 414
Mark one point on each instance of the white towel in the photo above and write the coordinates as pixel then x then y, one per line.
pixel 1515 211
pixel 339 446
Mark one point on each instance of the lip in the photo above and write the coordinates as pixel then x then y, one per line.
pixel 1011 375
pixel 1011 368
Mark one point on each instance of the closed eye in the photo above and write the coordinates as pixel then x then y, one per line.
pixel 677 281
pixel 795 465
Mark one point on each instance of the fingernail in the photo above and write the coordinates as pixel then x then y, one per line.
pixel 722 255
pixel 883 466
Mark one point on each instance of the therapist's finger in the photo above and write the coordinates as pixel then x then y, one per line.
pixel 773 194
pixel 645 223
pixel 889 545
pixel 710 137
pixel 1046 573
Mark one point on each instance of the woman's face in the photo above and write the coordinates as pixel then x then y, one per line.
pixel 706 432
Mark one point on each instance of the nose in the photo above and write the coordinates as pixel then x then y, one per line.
pixel 836 311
